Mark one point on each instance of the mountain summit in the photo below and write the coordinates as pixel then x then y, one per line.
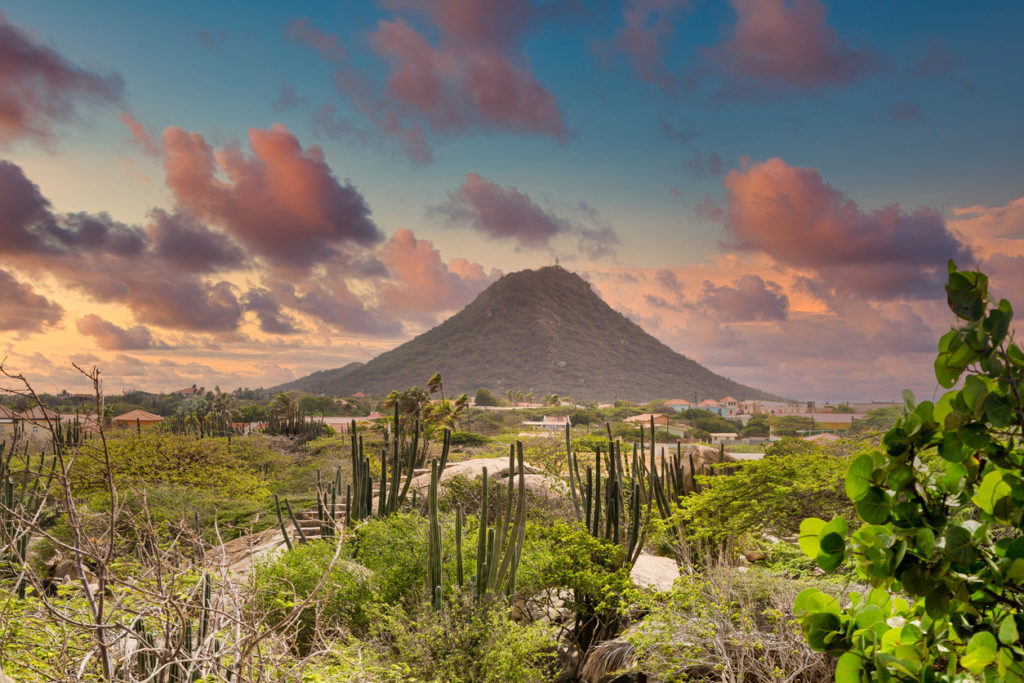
pixel 544 331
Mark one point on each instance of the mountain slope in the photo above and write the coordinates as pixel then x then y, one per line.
pixel 543 331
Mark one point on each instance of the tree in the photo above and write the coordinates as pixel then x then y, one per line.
pixel 941 503
pixel 485 398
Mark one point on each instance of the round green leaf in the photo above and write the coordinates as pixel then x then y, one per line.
pixel 849 668
pixel 819 629
pixel 858 477
pixel 810 530
pixel 873 507
pixel 958 546
pixel 993 488
pixel 981 651
pixel 924 540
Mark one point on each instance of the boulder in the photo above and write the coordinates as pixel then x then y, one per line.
pixel 651 571
pixel 66 572
pixel 239 555
pixel 497 468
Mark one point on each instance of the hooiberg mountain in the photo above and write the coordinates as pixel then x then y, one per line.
pixel 544 331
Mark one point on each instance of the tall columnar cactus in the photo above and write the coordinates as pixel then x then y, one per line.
pixel 499 541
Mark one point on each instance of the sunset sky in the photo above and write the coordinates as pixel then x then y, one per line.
pixel 240 193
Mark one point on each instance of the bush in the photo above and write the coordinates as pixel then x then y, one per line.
pixel 345 603
pixel 466 642
pixel 468 439
pixel 794 480
pixel 725 625
pixel 946 536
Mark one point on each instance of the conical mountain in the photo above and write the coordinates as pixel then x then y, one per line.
pixel 544 331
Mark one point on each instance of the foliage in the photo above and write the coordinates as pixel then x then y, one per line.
pixel 466 641
pixel 484 397
pixel 948 537
pixel 711 422
pixel 757 425
pixel 725 625
pixel 468 439
pixel 877 420
pixel 790 425
pixel 795 479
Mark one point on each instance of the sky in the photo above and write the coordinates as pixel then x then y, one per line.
pixel 236 194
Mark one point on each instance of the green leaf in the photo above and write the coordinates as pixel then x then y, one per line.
pixel 908 400
pixel 998 410
pixel 849 668
pixel 812 600
pixel 858 477
pixel 810 530
pixel 873 507
pixel 833 536
pixel 1016 355
pixel 974 393
pixel 821 628
pixel 980 652
pixel 993 489
pixel 1008 630
pixel 958 546
pixel 924 540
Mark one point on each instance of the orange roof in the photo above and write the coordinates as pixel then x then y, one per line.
pixel 140 415
pixel 38 413
pixel 7 414
pixel 677 402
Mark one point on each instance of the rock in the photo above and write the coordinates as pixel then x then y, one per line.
pixel 4 678
pixel 66 572
pixel 239 555
pixel 753 555
pixel 650 571
pixel 497 468
pixel 548 606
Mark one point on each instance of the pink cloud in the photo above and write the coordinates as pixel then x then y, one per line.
pixel 422 282
pixel 788 44
pixel 500 213
pixel 794 216
pixel 140 135
pixel 283 202
pixel 39 87
pixel 646 32
pixel 472 76
pixel 748 299
pixel 22 309
pixel 112 337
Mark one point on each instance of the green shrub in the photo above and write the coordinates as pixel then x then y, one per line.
pixel 941 504
pixel 795 479
pixel 723 624
pixel 468 439
pixel 466 642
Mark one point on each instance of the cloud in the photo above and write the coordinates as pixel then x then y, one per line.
pixel 749 299
pixel 992 229
pixel 190 246
pixel 646 32
pixel 500 213
pixel 472 75
pixel 422 283
pixel 283 202
pixel 287 98
pixel 268 311
pixel 794 216
pixel 22 310
pixel 39 87
pixel 111 337
pixel 140 135
pixel 783 44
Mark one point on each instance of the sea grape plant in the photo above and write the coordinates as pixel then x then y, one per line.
pixel 941 502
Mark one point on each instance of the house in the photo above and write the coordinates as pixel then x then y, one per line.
pixel 645 419
pixel 549 422
pixel 711 405
pixel 188 391
pixel 723 437
pixel 37 417
pixel 8 419
pixel 730 403
pixel 678 404
pixel 342 424
pixel 136 418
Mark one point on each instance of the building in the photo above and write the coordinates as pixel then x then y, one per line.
pixel 723 437
pixel 645 419
pixel 136 418
pixel 8 419
pixel 678 404
pixel 549 422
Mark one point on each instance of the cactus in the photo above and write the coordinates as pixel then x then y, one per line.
pixel 434 540
pixel 23 492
